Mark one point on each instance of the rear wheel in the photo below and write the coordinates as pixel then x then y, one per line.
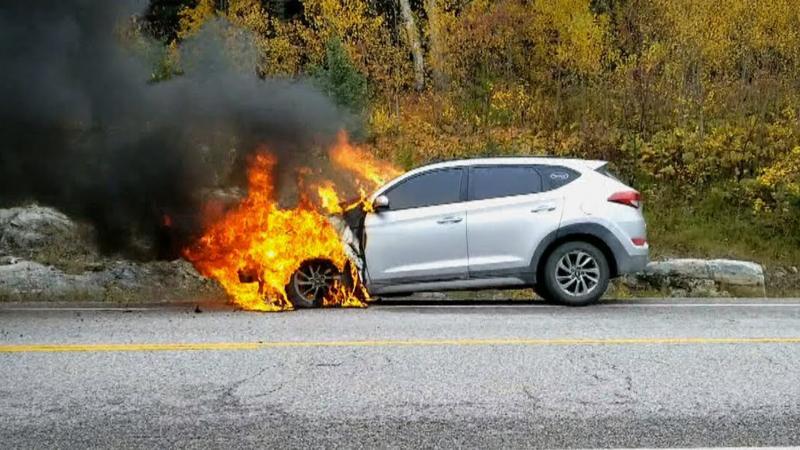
pixel 311 282
pixel 576 274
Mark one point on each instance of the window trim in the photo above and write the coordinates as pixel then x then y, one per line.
pixel 471 188
pixel 462 189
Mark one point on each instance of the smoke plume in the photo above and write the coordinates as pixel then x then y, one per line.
pixel 82 128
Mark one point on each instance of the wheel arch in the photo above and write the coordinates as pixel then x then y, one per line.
pixel 594 234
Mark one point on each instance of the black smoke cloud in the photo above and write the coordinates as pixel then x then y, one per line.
pixel 82 128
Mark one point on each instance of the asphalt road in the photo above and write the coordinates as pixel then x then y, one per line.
pixel 622 374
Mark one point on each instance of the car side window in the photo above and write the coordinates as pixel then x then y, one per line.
pixel 437 187
pixel 503 181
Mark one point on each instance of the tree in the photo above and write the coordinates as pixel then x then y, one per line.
pixel 340 79
pixel 435 45
pixel 412 34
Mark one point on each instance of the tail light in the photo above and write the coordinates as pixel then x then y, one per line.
pixel 628 198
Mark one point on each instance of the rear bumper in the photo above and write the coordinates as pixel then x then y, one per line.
pixel 627 263
pixel 628 257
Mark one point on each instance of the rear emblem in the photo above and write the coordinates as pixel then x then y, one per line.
pixel 559 176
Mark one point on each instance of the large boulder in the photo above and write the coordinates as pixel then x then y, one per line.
pixel 736 273
pixel 700 278
pixel 34 230
pixel 727 271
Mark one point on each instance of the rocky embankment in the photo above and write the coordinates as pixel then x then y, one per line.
pixel 691 277
pixel 45 256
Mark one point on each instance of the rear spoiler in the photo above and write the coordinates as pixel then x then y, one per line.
pixel 595 164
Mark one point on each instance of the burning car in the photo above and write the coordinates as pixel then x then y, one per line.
pixel 562 226
pixel 269 257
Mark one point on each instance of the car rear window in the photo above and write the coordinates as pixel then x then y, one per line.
pixel 554 177
pixel 503 181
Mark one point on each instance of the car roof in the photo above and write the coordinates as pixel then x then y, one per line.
pixel 572 163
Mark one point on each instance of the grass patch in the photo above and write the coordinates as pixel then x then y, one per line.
pixel 713 226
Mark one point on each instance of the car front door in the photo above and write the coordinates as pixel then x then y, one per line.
pixel 508 215
pixel 421 236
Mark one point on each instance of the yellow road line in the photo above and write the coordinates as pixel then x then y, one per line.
pixel 46 348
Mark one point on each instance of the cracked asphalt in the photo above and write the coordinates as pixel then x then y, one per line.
pixel 683 373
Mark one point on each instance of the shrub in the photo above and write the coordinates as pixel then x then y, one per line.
pixel 340 79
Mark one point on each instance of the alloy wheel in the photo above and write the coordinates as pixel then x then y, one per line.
pixel 577 273
pixel 313 281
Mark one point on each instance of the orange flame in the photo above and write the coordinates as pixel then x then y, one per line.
pixel 365 166
pixel 329 198
pixel 257 241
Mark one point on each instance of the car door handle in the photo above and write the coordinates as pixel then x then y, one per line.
pixel 447 220
pixel 544 207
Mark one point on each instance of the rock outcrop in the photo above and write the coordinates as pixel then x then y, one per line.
pixel 700 278
pixel 39 233
pixel 45 256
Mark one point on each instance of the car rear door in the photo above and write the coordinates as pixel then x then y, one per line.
pixel 508 214
pixel 422 235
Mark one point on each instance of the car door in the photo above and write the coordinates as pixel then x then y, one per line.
pixel 421 235
pixel 508 215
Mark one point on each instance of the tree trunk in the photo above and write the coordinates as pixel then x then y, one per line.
pixel 436 59
pixel 413 40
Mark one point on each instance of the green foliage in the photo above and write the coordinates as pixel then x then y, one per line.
pixel 682 96
pixel 716 223
pixel 340 79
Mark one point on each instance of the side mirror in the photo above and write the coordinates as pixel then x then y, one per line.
pixel 381 202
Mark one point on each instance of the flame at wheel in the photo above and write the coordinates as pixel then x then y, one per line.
pixel 273 259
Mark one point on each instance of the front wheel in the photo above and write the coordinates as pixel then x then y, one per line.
pixel 576 274
pixel 311 282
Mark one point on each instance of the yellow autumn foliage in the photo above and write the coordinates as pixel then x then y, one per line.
pixel 678 94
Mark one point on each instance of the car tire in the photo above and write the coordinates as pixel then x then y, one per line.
pixel 311 282
pixel 576 274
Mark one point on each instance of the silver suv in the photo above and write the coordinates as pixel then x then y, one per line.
pixel 562 226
